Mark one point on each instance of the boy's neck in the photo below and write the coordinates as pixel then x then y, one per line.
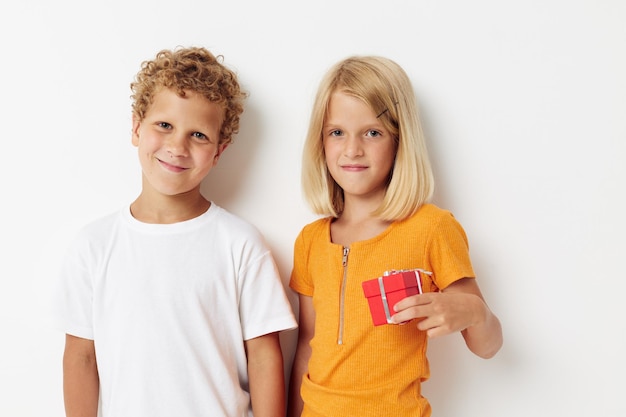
pixel 168 209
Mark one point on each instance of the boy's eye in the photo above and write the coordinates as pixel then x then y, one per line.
pixel 164 125
pixel 198 135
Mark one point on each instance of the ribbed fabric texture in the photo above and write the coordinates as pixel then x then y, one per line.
pixel 357 369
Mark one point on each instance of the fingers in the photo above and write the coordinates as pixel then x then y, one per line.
pixel 412 307
pixel 438 313
pixel 414 300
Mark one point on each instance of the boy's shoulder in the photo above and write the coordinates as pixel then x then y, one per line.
pixel 234 223
pixel 101 224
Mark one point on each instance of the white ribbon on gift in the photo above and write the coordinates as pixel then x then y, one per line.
pixel 383 293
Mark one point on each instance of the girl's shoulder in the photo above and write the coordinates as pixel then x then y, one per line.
pixel 317 228
pixel 429 212
pixel 319 224
pixel 430 216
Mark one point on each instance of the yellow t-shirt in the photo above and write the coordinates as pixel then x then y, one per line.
pixel 356 368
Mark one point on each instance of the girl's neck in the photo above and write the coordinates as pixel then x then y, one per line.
pixel 356 223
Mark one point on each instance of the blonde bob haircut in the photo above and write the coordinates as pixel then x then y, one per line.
pixel 385 87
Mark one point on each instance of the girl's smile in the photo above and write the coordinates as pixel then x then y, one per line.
pixel 359 151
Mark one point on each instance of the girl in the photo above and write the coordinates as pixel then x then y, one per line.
pixel 366 168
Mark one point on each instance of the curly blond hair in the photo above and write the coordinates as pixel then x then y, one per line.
pixel 190 69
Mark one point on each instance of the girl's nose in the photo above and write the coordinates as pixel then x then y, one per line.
pixel 353 147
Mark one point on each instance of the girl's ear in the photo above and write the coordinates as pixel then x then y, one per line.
pixel 135 131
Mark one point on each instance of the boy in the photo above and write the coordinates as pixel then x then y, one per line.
pixel 172 306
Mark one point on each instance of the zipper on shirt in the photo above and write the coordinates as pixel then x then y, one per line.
pixel 344 263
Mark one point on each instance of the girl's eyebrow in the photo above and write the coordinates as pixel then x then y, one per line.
pixel 382 112
pixel 395 103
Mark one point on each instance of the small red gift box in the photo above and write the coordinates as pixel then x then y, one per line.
pixel 384 292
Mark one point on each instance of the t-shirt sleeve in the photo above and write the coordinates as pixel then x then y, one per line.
pixel 448 252
pixel 264 307
pixel 73 295
pixel 300 280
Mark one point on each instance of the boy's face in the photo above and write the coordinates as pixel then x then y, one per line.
pixel 178 142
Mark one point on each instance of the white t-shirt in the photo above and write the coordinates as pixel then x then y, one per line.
pixel 168 307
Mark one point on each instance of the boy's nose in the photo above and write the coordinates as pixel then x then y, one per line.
pixel 176 145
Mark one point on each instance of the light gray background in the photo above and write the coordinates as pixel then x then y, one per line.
pixel 523 105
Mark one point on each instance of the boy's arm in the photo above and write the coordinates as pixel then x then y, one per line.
pixel 266 375
pixel 300 367
pixel 80 378
pixel 459 307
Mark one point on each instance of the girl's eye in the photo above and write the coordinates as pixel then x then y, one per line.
pixel 335 132
pixel 373 133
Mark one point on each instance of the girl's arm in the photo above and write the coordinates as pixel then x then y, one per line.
pixel 460 307
pixel 266 375
pixel 306 329
pixel 80 378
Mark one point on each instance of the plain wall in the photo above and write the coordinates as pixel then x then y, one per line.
pixel 523 104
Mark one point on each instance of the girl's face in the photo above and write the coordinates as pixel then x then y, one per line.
pixel 359 151
pixel 178 142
